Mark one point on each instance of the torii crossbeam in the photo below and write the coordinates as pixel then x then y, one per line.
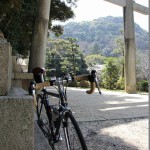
pixel 136 7
pixel 129 36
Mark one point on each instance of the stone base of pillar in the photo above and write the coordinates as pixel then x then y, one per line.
pixel 131 89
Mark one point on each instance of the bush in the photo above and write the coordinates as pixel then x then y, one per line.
pixel 73 84
pixel 143 86
pixel 110 74
pixel 121 84
pixel 84 84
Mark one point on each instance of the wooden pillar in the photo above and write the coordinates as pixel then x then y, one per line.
pixel 130 48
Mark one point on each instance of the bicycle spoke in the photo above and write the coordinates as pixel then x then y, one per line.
pixel 71 135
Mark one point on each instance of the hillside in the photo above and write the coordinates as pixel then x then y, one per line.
pixel 102 33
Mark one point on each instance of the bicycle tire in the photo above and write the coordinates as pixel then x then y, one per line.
pixel 68 122
pixel 74 139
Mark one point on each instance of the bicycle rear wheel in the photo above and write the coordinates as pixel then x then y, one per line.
pixel 72 136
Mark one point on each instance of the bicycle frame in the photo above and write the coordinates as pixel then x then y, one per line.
pixel 61 95
pixel 61 116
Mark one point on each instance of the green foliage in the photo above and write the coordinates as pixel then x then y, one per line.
pixel 73 84
pixel 7 6
pixel 65 56
pixel 17 19
pixel 120 47
pixel 58 30
pixel 119 52
pixel 84 84
pixel 94 59
pixel 102 31
pixel 121 84
pixel 142 65
pixel 143 86
pixel 96 49
pixel 61 10
pixel 110 74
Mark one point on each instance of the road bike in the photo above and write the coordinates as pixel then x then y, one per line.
pixel 57 121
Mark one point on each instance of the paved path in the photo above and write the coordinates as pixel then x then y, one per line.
pixel 111 121
pixel 109 105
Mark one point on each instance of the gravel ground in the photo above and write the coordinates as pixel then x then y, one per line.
pixel 126 134
pixel 111 121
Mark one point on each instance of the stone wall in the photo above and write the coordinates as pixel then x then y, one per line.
pixel 10 72
pixel 16 105
pixel 16 121
pixel 19 78
pixel 5 66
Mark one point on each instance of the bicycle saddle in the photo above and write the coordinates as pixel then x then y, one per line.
pixel 38 73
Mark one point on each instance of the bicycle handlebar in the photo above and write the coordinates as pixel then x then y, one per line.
pixel 93 81
pixel 89 77
pixel 42 85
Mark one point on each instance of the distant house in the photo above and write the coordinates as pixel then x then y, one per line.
pixel 23 63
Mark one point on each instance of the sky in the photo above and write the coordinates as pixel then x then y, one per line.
pixel 88 10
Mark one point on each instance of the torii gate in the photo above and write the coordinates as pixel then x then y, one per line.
pixel 130 49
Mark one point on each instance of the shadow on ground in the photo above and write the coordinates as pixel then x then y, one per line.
pixel 128 134
pixel 112 121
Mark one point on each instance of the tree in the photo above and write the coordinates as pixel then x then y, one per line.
pixel 110 74
pixel 16 22
pixel 17 19
pixel 61 57
pixel 119 52
pixel 73 49
pixel 94 59
pixel 142 70
pixel 96 49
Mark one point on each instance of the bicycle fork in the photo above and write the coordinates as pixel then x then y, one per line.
pixel 65 125
pixel 67 140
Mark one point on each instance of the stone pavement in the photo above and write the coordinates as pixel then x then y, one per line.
pixel 113 120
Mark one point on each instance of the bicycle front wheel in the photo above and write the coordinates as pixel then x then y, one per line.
pixel 73 136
